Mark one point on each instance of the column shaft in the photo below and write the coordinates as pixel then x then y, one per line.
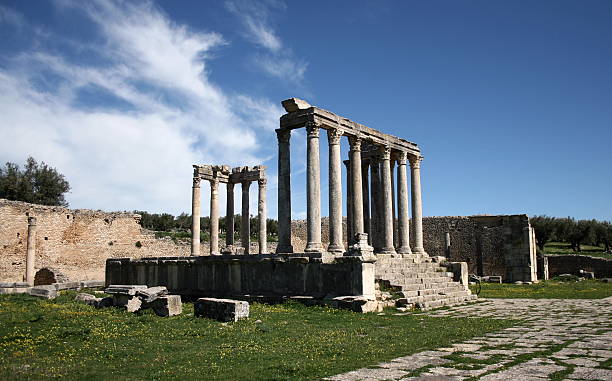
pixel 229 216
pixel 261 211
pixel 402 206
pixel 335 192
pixel 365 183
pixel 417 207
pixel 284 192
pixel 356 189
pixel 376 202
pixel 349 203
pixel 214 217
pixel 393 206
pixel 245 224
pixel 195 217
pixel 313 189
pixel 31 251
pixel 387 193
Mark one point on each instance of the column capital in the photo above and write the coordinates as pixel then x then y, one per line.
pixel 334 135
pixel 385 152
pixel 402 156
pixel 214 184
pixel 355 143
pixel 283 135
pixel 415 161
pixel 245 184
pixel 196 181
pixel 230 186
pixel 262 182
pixel 312 130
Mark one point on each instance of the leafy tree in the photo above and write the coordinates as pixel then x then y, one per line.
pixel 36 183
pixel 544 229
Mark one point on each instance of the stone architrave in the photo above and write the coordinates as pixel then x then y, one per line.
pixel 356 188
pixel 313 190
pixel 261 212
pixel 31 251
pixel 229 217
pixel 387 195
pixel 195 217
pixel 402 206
pixel 284 192
pixel 417 208
pixel 245 226
pixel 214 217
pixel 335 192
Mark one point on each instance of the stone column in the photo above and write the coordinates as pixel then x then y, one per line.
pixel 417 207
pixel 349 203
pixel 261 211
pixel 31 251
pixel 402 206
pixel 365 183
pixel 229 217
pixel 387 193
pixel 214 217
pixel 393 208
pixel 313 189
pixel 355 156
pixel 335 192
pixel 195 217
pixel 284 192
pixel 245 226
pixel 376 202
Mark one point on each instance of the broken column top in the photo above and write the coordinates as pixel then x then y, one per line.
pixel 295 104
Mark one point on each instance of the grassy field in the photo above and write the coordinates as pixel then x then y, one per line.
pixel 586 289
pixel 562 248
pixel 42 339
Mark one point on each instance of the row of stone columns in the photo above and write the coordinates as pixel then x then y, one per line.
pixel 245 230
pixel 379 223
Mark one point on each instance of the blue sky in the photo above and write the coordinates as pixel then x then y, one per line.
pixel 510 101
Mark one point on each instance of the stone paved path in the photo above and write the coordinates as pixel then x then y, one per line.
pixel 561 339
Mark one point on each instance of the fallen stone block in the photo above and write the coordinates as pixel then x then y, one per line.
pixel 169 305
pixel 357 304
pixel 7 284
pixel 47 292
pixel 92 283
pixel 6 290
pixel 221 309
pixel 587 274
pixel 152 293
pixel 85 298
pixel 124 289
pixel 134 304
pixel 67 286
pixel 22 285
pixel 492 279
pixel 104 302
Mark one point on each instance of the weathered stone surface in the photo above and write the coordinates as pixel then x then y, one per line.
pixel 133 304
pixel 67 286
pixel 85 298
pixel 47 292
pixel 152 293
pixel 221 309
pixel 124 289
pixel 169 305
pixel 295 104
pixel 92 283
pixel 7 284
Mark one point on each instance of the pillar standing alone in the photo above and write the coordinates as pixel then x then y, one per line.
pixel 31 251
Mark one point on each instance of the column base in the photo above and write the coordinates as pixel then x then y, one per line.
pixel 284 249
pixel 387 250
pixel 335 248
pixel 314 247
pixel 419 250
pixel 404 250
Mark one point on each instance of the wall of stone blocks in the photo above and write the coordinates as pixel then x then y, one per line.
pixel 572 264
pixel 255 275
pixel 491 245
pixel 75 242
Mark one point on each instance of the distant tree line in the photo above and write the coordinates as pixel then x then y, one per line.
pixel 166 222
pixel 574 232
pixel 36 183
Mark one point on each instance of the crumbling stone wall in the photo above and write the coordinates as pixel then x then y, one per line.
pixel 572 264
pixel 74 242
pixel 491 245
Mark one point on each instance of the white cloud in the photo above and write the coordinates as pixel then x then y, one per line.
pixel 138 155
pixel 11 17
pixel 278 60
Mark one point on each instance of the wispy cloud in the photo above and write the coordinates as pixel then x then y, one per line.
pixel 277 60
pixel 126 126
pixel 11 17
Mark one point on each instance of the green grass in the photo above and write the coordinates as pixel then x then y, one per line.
pixel 42 339
pixel 586 289
pixel 562 248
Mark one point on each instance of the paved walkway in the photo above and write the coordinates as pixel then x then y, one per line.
pixel 563 339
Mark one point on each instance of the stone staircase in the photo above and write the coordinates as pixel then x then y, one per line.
pixel 419 282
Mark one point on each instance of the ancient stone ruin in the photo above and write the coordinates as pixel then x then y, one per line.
pixel 338 275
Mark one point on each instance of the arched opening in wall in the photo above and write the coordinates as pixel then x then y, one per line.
pixel 46 276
